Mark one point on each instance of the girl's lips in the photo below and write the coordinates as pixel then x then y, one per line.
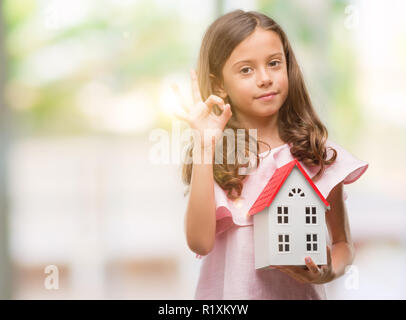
pixel 267 98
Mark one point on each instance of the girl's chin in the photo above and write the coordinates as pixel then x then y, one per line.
pixel 267 111
pixel 258 111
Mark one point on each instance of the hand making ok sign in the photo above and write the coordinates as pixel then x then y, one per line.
pixel 200 116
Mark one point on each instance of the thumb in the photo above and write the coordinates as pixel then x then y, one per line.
pixel 226 112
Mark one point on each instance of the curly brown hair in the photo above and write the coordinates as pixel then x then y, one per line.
pixel 298 123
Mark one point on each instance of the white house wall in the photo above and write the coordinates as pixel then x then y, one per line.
pixel 297 227
pixel 261 239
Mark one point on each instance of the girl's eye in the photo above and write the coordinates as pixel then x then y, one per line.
pixel 278 62
pixel 244 69
pixel 274 62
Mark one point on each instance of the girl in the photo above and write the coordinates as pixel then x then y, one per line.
pixel 248 78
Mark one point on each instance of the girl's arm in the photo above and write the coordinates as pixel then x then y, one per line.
pixel 342 252
pixel 200 218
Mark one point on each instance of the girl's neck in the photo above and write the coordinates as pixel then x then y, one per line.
pixel 267 129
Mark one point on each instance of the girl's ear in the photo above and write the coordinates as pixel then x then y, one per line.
pixel 217 87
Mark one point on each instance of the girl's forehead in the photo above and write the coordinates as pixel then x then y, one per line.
pixel 257 45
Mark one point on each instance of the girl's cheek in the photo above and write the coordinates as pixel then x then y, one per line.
pixel 283 81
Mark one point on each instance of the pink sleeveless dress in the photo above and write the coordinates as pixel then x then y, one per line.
pixel 228 271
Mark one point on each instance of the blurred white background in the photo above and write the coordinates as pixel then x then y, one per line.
pixel 87 83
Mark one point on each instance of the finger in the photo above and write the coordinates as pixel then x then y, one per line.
pixel 304 274
pixel 226 115
pixel 324 270
pixel 195 87
pixel 214 100
pixel 328 256
pixel 312 266
pixel 179 96
pixel 294 275
pixel 297 269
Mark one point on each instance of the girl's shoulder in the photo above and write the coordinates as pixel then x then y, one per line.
pixel 346 165
pixel 347 168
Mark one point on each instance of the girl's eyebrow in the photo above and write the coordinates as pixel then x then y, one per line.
pixel 269 56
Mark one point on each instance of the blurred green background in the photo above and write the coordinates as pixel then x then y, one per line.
pixel 84 83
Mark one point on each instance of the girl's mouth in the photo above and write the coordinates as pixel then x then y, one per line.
pixel 268 97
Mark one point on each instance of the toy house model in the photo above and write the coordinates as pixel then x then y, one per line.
pixel 289 220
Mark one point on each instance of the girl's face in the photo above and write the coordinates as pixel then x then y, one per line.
pixel 257 66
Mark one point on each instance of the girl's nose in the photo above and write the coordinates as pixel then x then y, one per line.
pixel 264 79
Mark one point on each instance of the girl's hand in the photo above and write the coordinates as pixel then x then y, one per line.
pixel 200 116
pixel 313 274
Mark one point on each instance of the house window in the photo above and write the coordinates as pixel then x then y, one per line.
pixel 296 191
pixel 282 215
pixel 311 242
pixel 283 243
pixel 311 216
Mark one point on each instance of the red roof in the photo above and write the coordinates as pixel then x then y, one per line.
pixel 275 183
